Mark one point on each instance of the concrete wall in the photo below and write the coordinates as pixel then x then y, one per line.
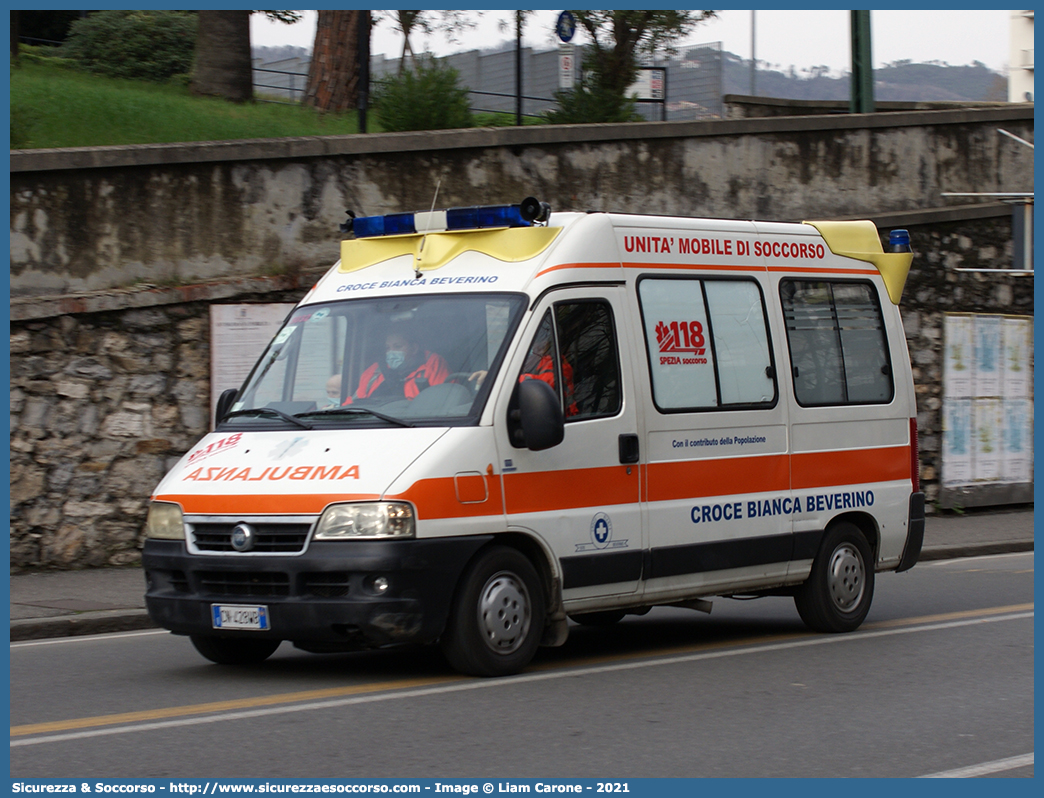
pixel 98 218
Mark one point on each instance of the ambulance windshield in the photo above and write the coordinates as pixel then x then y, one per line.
pixel 417 361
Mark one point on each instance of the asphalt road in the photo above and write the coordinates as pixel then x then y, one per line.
pixel 938 679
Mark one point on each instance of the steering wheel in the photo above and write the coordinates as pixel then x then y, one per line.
pixel 462 378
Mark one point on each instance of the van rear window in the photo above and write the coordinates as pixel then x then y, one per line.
pixel 708 344
pixel 838 350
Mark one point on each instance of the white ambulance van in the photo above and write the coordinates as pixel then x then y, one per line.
pixel 484 421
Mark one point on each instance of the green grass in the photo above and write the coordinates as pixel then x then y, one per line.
pixel 52 106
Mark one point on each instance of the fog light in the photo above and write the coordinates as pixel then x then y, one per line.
pixel 379 585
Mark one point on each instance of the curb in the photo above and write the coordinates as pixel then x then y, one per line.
pixel 107 622
pixel 974 550
pixel 86 623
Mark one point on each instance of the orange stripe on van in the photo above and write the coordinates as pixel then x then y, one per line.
pixel 547 491
pixel 849 467
pixel 694 478
pixel 437 498
pixel 705 267
pixel 550 269
pixel 819 270
pixel 559 490
pixel 266 504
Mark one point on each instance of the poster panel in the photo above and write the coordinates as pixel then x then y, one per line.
pixel 1017 337
pixel 958 359
pixel 987 356
pixel 957 442
pixel 1018 440
pixel 988 439
pixel 238 336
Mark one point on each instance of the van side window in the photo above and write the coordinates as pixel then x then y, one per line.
pixel 838 351
pixel 574 351
pixel 587 344
pixel 708 344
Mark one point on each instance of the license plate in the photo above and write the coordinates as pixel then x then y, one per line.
pixel 236 616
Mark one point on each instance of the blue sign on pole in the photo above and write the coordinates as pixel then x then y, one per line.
pixel 566 26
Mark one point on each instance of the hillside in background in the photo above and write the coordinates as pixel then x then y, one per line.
pixel 902 81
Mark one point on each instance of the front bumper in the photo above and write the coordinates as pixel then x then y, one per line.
pixel 322 599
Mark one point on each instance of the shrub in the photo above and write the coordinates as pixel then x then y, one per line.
pixel 424 96
pixel 585 104
pixel 143 45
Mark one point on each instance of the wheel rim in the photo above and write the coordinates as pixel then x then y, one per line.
pixel 847 577
pixel 504 612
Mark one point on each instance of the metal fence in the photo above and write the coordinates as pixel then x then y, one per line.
pixel 694 83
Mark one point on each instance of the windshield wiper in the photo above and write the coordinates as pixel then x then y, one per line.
pixel 336 411
pixel 269 411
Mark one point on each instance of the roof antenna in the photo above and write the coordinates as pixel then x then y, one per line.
pixel 420 249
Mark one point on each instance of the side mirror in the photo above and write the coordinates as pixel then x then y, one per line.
pixel 539 415
pixel 224 404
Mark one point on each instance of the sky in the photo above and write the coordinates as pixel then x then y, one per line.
pixel 783 38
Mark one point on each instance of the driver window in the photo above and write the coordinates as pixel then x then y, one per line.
pixel 574 351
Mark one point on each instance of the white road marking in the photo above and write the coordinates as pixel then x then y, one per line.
pixel 511 681
pixel 984 769
pixel 54 641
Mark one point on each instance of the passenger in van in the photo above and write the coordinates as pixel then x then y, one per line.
pixel 540 365
pixel 406 371
pixel 333 391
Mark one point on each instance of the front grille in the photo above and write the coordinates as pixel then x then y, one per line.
pixel 333 584
pixel 161 581
pixel 248 583
pixel 179 582
pixel 271 538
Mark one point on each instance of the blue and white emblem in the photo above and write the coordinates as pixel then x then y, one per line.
pixel 601 535
pixel 243 537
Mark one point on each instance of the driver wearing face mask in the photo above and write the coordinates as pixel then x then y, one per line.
pixel 406 371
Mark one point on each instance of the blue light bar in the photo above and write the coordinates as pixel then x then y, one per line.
pixel 389 225
pixel 481 216
pixel 470 218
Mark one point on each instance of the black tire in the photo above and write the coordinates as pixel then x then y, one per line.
pixel 233 650
pixel 603 618
pixel 497 617
pixel 837 595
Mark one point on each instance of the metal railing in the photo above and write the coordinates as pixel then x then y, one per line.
pixel 291 88
pixel 297 84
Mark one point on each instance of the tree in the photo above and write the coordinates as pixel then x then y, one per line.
pixel 619 37
pixel 223 63
pixel 333 75
pixel 449 22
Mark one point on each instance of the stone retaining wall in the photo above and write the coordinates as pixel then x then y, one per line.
pixel 102 404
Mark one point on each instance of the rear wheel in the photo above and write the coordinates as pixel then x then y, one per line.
pixel 837 595
pixel 234 651
pixel 497 617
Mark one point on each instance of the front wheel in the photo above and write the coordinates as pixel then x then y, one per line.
pixel 497 617
pixel 234 651
pixel 837 595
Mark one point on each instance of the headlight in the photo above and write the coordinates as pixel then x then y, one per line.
pixel 165 521
pixel 366 520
